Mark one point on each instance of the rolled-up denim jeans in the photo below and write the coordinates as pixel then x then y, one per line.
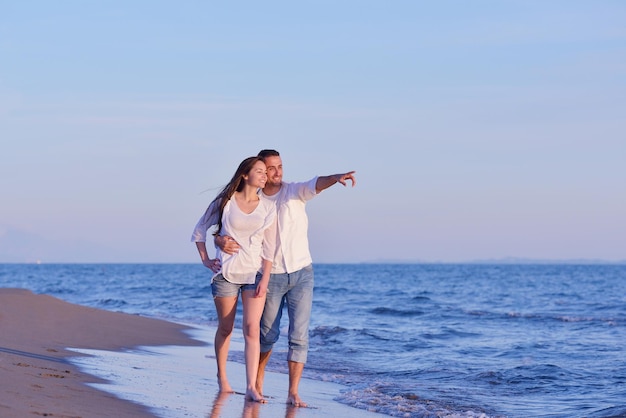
pixel 295 290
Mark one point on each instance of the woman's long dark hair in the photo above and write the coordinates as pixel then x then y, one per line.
pixel 234 185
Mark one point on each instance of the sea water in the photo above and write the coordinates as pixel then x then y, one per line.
pixel 413 340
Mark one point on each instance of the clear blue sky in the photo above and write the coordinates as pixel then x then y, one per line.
pixel 478 129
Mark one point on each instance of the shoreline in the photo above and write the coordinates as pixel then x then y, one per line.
pixel 65 360
pixel 36 375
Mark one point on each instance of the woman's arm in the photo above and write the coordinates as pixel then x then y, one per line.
pixel 213 264
pixel 261 288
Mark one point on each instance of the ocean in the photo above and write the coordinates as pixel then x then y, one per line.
pixel 413 340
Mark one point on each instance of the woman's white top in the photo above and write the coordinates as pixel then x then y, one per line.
pixel 254 232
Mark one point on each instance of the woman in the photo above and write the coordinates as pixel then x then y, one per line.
pixel 239 212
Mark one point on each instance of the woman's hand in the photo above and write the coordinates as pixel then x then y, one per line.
pixel 213 264
pixel 261 289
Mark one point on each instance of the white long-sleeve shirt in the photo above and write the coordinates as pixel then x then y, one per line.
pixel 254 232
pixel 292 246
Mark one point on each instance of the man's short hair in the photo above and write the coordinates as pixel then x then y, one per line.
pixel 268 153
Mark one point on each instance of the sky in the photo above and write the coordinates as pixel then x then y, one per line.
pixel 478 130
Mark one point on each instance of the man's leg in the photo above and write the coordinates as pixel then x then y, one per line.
pixel 299 303
pixel 295 373
pixel 270 322
pixel 260 376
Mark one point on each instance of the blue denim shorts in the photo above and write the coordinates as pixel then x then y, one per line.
pixel 222 288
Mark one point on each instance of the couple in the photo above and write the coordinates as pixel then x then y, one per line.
pixel 263 253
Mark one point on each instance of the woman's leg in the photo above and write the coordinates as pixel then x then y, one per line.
pixel 226 308
pixel 252 311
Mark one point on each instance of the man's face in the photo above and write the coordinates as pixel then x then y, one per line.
pixel 274 170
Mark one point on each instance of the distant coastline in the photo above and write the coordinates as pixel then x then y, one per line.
pixel 489 261
pixel 496 261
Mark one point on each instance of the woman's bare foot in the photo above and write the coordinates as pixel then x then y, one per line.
pixel 294 400
pixel 253 395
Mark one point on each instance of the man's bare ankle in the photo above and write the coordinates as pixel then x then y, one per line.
pixel 294 400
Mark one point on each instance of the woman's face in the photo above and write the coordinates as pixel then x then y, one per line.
pixel 257 176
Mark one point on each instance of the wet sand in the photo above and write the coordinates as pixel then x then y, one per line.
pixel 130 366
pixel 35 377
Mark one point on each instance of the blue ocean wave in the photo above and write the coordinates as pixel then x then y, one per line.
pixel 396 312
pixel 413 340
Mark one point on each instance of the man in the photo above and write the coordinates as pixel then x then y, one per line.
pixel 291 281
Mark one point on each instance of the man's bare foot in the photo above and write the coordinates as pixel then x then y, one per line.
pixel 253 395
pixel 294 400
pixel 225 386
pixel 259 389
pixel 263 359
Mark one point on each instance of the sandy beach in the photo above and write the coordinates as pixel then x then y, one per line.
pixel 43 337
pixel 36 378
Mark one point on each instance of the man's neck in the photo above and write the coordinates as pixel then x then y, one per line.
pixel 271 189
